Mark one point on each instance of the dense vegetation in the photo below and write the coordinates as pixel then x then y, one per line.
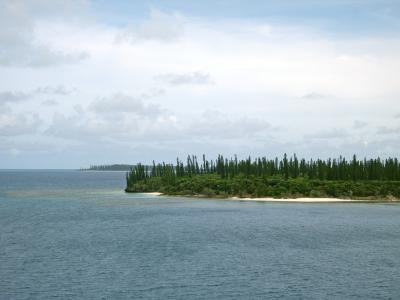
pixel 262 177
pixel 114 167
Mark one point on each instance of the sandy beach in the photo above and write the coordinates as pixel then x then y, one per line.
pixel 301 200
pixel 293 200
pixel 153 193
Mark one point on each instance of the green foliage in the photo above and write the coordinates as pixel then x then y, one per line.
pixel 261 177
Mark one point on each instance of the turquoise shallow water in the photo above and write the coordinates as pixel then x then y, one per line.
pixel 76 235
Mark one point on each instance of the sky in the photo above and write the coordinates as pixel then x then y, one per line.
pixel 102 82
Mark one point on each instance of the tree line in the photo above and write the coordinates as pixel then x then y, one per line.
pixel 113 167
pixel 336 169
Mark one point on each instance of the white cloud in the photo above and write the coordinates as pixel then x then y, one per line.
pixel 120 103
pixel 19 96
pixel 328 134
pixel 11 97
pixel 115 117
pixel 196 78
pixel 247 75
pixel 49 102
pixel 18 124
pixel 128 119
pixel 19 45
pixel 216 125
pixel 160 27
pixel 54 90
pixel 314 96
pixel 359 124
pixel 388 130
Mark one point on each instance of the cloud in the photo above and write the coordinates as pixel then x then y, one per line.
pixel 18 96
pixel 120 103
pixel 359 124
pixel 116 117
pixel 194 78
pixel 388 130
pixel 49 102
pixel 217 125
pixel 18 124
pixel 19 44
pixel 57 90
pixel 259 69
pixel 160 27
pixel 334 133
pixel 26 55
pixel 314 96
pixel 124 129
pixel 121 117
pixel 12 97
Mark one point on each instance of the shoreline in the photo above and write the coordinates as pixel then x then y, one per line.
pixel 152 193
pixel 287 200
pixel 298 200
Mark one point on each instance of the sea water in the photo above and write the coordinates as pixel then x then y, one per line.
pixel 77 235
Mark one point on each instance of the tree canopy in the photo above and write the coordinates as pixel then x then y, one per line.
pixel 263 172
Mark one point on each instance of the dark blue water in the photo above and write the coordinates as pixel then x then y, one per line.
pixel 76 235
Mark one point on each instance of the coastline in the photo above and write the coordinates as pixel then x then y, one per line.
pixel 296 200
pixel 152 193
pixel 287 200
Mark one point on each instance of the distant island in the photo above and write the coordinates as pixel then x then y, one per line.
pixel 289 177
pixel 114 167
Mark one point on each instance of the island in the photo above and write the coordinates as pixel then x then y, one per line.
pixel 289 177
pixel 112 167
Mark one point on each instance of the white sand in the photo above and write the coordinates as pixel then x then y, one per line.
pixel 153 193
pixel 267 199
pixel 301 200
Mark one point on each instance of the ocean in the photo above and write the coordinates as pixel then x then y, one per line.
pixel 76 235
